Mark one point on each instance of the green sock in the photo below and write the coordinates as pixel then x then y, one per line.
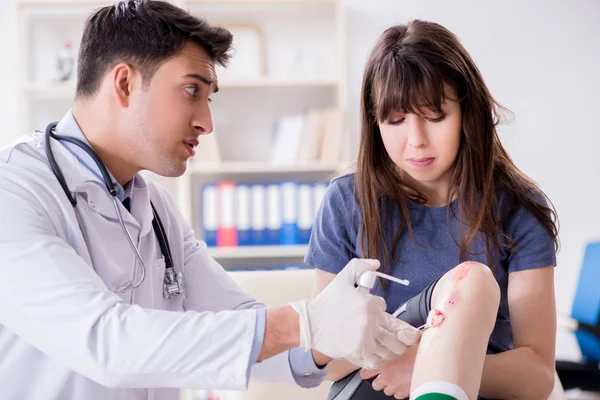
pixel 438 391
pixel 435 396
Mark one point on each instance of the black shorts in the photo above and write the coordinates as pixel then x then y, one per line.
pixel 414 311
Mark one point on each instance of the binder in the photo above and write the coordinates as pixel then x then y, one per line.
pixel 227 231
pixel 210 214
pixel 258 217
pixel 289 217
pixel 243 215
pixel 273 214
pixel 306 214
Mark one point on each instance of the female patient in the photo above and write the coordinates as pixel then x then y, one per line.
pixel 439 202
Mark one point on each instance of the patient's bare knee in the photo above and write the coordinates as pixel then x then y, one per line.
pixel 469 286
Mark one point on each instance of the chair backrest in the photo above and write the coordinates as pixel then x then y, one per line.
pixel 278 287
pixel 586 306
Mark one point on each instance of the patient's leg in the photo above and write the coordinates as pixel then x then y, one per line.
pixel 464 307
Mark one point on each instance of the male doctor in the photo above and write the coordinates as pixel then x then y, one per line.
pixel 146 70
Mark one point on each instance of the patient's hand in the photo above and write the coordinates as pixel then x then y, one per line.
pixel 394 379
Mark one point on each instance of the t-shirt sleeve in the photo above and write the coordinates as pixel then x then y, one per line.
pixel 331 244
pixel 533 246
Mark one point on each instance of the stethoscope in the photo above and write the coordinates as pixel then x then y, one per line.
pixel 172 284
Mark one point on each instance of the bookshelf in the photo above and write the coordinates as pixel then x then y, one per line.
pixel 302 55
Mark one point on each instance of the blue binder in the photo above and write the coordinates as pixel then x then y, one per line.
pixel 258 217
pixel 289 217
pixel 273 214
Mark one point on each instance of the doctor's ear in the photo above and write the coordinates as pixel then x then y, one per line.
pixel 124 79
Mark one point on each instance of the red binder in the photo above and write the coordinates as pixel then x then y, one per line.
pixel 227 230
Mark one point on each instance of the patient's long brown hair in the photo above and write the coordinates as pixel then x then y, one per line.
pixel 406 71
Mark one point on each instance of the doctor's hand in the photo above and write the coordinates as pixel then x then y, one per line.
pixel 395 336
pixel 398 335
pixel 343 322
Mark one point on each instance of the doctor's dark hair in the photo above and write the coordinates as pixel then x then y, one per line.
pixel 406 71
pixel 144 34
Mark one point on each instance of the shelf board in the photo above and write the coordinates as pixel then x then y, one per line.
pixel 64 3
pixel 67 90
pixel 241 252
pixel 100 3
pixel 192 2
pixel 276 82
pixel 260 168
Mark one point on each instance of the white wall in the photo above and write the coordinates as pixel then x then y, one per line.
pixel 541 59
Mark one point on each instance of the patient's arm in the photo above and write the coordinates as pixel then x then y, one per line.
pixel 527 371
pixel 339 369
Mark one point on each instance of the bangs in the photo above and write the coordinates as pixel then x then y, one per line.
pixel 407 85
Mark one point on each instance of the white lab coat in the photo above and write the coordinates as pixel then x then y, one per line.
pixel 65 335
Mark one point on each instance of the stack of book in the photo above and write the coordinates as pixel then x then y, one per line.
pixel 314 136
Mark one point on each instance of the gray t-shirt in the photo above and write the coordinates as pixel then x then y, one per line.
pixel 335 241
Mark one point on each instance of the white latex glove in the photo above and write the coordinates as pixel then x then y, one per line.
pixel 394 337
pixel 404 332
pixel 343 322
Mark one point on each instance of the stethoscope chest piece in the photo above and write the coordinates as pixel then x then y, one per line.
pixel 173 284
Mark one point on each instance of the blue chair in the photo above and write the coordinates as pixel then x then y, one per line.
pixel 586 315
